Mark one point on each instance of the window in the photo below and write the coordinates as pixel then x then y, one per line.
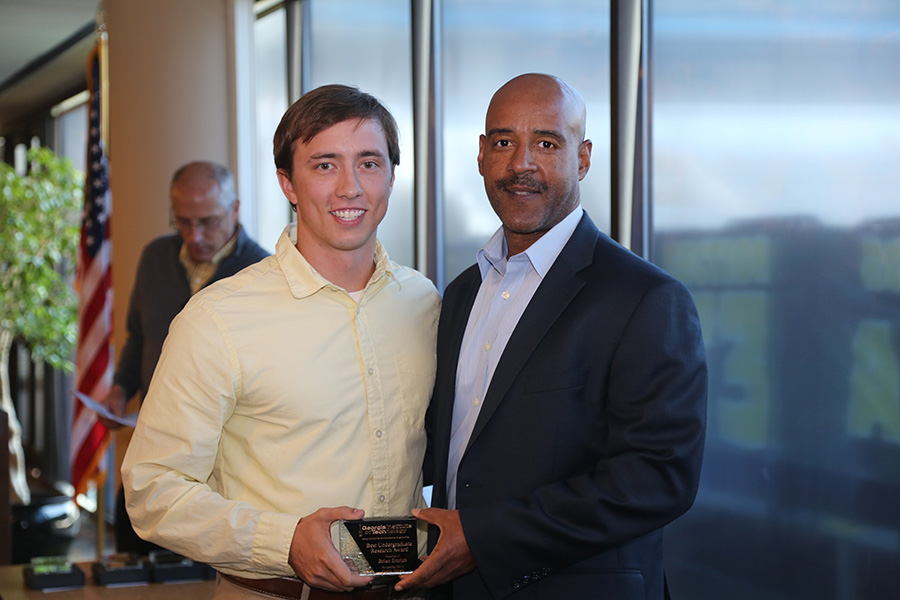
pixel 271 97
pixel 484 45
pixel 775 184
pixel 368 44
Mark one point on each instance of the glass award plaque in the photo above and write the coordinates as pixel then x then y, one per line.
pixel 378 546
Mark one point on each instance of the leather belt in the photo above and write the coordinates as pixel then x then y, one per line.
pixel 287 587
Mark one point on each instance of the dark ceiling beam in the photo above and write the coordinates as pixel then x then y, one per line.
pixel 47 57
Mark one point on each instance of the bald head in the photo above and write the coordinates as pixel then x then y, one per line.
pixel 532 88
pixel 533 155
pixel 204 208
pixel 205 174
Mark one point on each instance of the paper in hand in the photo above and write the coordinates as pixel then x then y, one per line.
pixel 129 420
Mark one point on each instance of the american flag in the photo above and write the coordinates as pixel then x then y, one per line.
pixel 94 358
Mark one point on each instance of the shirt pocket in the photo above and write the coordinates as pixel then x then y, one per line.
pixel 415 372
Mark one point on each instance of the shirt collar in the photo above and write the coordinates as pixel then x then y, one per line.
pixel 302 277
pixel 542 254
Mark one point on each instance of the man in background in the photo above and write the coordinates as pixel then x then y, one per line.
pixel 209 244
pixel 567 424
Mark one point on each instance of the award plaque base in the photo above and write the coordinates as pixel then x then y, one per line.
pixel 121 568
pixel 46 572
pixel 379 546
pixel 167 566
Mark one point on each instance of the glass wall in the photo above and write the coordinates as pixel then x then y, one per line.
pixel 484 45
pixel 369 45
pixel 776 127
pixel 271 98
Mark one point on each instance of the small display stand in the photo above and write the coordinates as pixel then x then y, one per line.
pixel 168 566
pixel 120 569
pixel 47 572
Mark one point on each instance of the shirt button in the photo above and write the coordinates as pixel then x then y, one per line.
pixel 371 370
pixel 476 401
pixel 378 433
pixel 505 295
pixel 487 346
pixel 381 498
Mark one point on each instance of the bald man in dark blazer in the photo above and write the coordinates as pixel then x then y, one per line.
pixel 568 418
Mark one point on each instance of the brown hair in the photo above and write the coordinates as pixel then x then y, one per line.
pixel 319 109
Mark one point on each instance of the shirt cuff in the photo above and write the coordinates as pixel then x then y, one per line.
pixel 272 544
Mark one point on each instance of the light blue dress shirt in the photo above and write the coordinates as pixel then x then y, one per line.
pixel 507 286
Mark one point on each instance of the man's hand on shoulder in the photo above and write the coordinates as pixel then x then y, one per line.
pixel 451 556
pixel 313 555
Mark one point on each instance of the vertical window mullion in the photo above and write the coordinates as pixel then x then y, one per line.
pixel 427 127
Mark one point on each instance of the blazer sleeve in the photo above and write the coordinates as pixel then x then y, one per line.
pixel 651 395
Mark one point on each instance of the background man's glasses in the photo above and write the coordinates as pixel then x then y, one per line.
pixel 185 225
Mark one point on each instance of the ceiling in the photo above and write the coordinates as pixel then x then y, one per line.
pixel 43 49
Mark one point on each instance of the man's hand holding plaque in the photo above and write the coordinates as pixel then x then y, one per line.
pixel 378 546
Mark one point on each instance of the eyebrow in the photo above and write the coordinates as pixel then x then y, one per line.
pixel 360 154
pixel 374 153
pixel 551 133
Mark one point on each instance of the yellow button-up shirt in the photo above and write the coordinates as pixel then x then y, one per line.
pixel 277 394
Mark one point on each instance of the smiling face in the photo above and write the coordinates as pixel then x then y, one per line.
pixel 532 156
pixel 340 185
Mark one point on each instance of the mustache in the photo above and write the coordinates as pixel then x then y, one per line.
pixel 522 181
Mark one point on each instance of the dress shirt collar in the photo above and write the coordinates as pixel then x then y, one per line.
pixel 542 254
pixel 303 278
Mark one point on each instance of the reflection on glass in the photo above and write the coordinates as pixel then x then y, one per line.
pixel 484 45
pixel 270 63
pixel 776 127
pixel 368 44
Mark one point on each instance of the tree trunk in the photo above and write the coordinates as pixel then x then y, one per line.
pixel 19 491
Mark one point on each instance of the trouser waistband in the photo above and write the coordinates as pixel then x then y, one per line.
pixel 293 588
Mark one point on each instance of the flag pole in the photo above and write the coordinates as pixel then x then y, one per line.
pixel 101 513
pixel 103 51
pixel 104 79
pixel 93 282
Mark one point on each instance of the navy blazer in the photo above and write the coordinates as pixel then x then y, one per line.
pixel 591 434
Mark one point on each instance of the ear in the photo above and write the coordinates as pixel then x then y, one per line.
pixel 584 158
pixel 236 209
pixel 481 141
pixel 287 186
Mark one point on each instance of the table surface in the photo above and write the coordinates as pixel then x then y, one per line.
pixel 12 587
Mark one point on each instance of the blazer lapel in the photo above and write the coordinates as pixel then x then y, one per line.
pixel 457 318
pixel 554 294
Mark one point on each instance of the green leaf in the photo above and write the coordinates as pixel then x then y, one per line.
pixel 39 237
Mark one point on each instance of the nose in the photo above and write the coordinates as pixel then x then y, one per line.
pixel 522 159
pixel 194 232
pixel 348 186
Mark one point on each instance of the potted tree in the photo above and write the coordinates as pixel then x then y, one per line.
pixel 39 236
